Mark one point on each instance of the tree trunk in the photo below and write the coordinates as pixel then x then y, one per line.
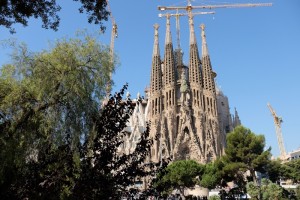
pixel 252 172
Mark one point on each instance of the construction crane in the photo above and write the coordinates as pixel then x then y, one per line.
pixel 189 7
pixel 114 34
pixel 177 15
pixel 277 121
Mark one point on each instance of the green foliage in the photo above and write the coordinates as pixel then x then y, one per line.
pixel 245 151
pixel 211 176
pixel 18 12
pixel 298 192
pixel 291 170
pixel 266 191
pixel 214 197
pixel 55 141
pixel 44 96
pixel 51 176
pixel 179 175
pixel 105 172
pixel 275 170
pixel 253 190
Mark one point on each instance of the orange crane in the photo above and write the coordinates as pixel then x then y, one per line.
pixel 114 34
pixel 277 121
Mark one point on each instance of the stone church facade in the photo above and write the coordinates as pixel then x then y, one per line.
pixel 189 115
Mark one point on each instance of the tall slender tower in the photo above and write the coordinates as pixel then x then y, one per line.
pixel 195 75
pixel 155 92
pixel 196 85
pixel 169 91
pixel 236 119
pixel 212 136
pixel 208 74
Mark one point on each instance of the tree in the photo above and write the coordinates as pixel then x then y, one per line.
pixel 18 12
pixel 100 172
pixel 106 173
pixel 44 96
pixel 179 175
pixel 267 190
pixel 253 190
pixel 218 173
pixel 214 197
pixel 291 170
pixel 55 141
pixel 51 176
pixel 245 151
pixel 298 192
pixel 211 176
pixel 275 170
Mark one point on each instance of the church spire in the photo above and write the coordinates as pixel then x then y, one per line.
pixel 156 74
pixel 168 39
pixel 204 44
pixel 156 80
pixel 236 119
pixel 178 51
pixel 169 65
pixel 156 44
pixel 192 30
pixel 194 66
pixel 208 74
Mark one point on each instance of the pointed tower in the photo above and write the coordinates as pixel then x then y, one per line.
pixel 178 51
pixel 213 138
pixel 236 119
pixel 208 74
pixel 169 65
pixel 155 92
pixel 209 88
pixel 169 84
pixel 156 74
pixel 195 75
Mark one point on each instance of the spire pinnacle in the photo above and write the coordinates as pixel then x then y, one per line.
pixel 169 65
pixel 156 45
pixel 204 45
pixel 208 74
pixel 192 30
pixel 237 120
pixel 168 31
pixel 195 75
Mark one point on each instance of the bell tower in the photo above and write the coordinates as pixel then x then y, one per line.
pixel 169 90
pixel 155 93
pixel 212 136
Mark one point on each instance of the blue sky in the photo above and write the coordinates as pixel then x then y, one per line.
pixel 254 51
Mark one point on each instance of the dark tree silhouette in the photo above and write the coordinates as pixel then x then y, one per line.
pixel 18 12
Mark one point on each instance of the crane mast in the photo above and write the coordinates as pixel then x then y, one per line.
pixel 114 34
pixel 277 121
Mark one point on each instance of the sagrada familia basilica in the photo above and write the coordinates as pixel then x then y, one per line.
pixel 189 115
